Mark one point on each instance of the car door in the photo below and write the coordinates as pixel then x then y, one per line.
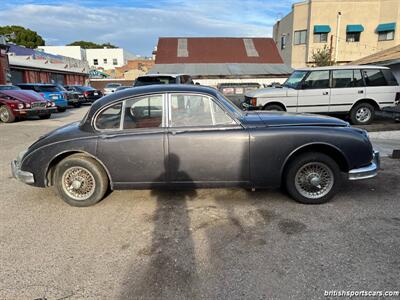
pixel 314 94
pixel 206 146
pixel 131 142
pixel 346 89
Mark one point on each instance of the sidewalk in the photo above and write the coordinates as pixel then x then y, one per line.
pixel 385 141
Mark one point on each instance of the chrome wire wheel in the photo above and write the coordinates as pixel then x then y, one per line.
pixel 363 114
pixel 314 180
pixel 78 183
pixel 4 114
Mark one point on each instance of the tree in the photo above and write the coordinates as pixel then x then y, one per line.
pixel 322 57
pixel 23 36
pixel 91 45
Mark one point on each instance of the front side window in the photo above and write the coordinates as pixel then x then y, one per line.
pixel 196 110
pixel 320 37
pixel 145 112
pixel 353 37
pixel 374 77
pixel 386 35
pixel 110 118
pixel 300 37
pixel 317 80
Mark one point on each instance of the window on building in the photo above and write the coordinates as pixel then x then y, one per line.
pixel 374 77
pixel 115 61
pixel 300 37
pixel 386 35
pixel 95 62
pixel 353 37
pixel 105 61
pixel 283 42
pixel 320 37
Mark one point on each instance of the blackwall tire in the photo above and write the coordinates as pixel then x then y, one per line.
pixel 273 107
pixel 362 114
pixel 312 178
pixel 80 180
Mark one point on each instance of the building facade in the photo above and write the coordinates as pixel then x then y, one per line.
pixel 76 52
pixel 108 58
pixel 349 29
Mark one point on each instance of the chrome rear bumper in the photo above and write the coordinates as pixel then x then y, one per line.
pixel 368 171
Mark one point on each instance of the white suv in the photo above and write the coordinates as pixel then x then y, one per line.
pixel 356 90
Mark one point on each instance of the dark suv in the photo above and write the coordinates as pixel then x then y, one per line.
pixel 163 79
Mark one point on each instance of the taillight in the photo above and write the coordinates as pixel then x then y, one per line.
pixel 86 93
pixel 253 101
pixel 20 105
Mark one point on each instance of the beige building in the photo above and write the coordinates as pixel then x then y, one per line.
pixel 350 29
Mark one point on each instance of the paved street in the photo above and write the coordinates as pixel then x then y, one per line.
pixel 202 244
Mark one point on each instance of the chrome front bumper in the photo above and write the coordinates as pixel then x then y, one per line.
pixel 368 171
pixel 17 173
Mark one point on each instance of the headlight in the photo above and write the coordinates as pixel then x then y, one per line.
pixel 20 105
pixel 27 105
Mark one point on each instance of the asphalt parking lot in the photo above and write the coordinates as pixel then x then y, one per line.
pixel 199 244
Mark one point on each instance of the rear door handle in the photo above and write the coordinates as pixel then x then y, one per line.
pixel 361 92
pixel 325 93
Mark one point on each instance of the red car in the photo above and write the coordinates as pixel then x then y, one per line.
pixel 17 104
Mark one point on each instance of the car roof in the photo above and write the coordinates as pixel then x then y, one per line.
pixel 38 84
pixel 163 75
pixel 344 67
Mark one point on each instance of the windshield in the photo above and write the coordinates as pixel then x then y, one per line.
pixel 154 80
pixel 294 79
pixel 8 87
pixel 46 88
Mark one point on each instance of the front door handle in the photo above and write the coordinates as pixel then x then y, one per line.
pixel 175 132
pixel 325 93
pixel 361 92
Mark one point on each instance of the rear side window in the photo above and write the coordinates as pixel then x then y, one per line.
pixel 374 77
pixel 144 112
pixel 110 118
pixel 317 80
pixel 346 78
pixel 391 80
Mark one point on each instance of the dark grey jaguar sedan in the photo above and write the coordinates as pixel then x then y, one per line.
pixel 179 136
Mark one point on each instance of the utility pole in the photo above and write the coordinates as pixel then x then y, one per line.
pixel 339 14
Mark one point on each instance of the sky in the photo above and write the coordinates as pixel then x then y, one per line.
pixel 136 25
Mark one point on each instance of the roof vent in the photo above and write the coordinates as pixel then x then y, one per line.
pixel 250 48
pixel 182 48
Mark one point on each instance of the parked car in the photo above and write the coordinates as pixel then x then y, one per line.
pixel 17 104
pixel 111 87
pixel 89 94
pixel 236 91
pixel 74 98
pixel 150 79
pixel 358 91
pixel 122 87
pixel 121 144
pixel 48 91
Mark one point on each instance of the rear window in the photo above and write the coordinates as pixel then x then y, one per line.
pixel 374 77
pixel 154 80
pixel 46 88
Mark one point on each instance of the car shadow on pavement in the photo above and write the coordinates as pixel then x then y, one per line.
pixel 171 271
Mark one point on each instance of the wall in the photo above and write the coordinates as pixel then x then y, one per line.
pixel 109 54
pixel 70 51
pixel 3 66
pixel 101 83
pixel 369 13
pixel 41 76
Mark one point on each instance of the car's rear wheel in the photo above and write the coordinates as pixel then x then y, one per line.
pixel 273 107
pixel 80 180
pixel 362 114
pixel 6 114
pixel 43 117
pixel 312 178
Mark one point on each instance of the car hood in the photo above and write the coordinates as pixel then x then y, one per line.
pixel 274 119
pixel 24 95
pixel 269 92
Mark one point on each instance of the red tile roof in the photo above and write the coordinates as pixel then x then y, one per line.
pixel 217 50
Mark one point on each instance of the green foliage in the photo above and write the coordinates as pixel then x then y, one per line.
pixel 91 45
pixel 23 36
pixel 322 57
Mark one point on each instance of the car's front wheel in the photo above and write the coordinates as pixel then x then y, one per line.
pixel 6 114
pixel 80 180
pixel 312 178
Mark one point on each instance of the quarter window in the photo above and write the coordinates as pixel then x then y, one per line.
pixel 144 112
pixel 196 110
pixel 317 80
pixel 110 118
pixel 300 37
pixel 374 78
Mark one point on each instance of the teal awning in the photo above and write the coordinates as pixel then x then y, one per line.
pixel 322 28
pixel 386 27
pixel 354 28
